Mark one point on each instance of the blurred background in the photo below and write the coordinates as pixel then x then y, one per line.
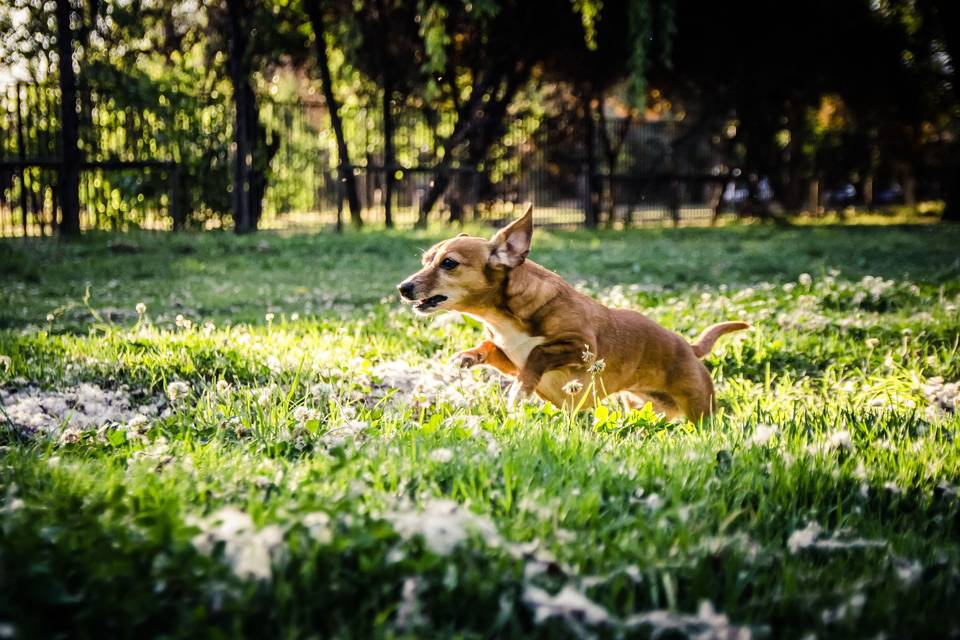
pixel 247 114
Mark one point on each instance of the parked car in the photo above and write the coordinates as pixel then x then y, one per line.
pixel 842 196
pixel 739 192
pixel 891 195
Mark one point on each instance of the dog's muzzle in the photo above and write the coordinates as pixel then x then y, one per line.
pixel 424 305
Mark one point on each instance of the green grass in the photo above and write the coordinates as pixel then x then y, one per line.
pixel 334 424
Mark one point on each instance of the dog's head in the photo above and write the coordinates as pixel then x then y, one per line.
pixel 464 272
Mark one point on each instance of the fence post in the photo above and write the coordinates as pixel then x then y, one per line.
pixel 675 200
pixel 70 150
pixel 22 155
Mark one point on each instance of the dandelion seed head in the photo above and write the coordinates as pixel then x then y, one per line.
pixel 586 355
pixel 572 387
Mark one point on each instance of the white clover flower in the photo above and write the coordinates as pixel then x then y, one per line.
pixel 6 362
pixel 318 525
pixel 70 435
pixel 269 316
pixel 804 538
pixel 177 390
pixel 908 572
pixel 872 343
pixel 294 316
pixel 141 308
pixel 265 395
pixel 805 279
pixel 223 386
pixel 322 390
pixel 840 440
pixel 50 317
pixel 442 456
pixel 250 552
pixel 138 424
pixel 304 415
pixel 182 323
pixel 573 387
pixel 444 525
pixel 893 488
pixel 763 434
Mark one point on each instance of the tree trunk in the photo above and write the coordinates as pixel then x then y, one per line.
pixel 344 168
pixel 254 149
pixel 389 156
pixel 70 154
pixel 951 205
pixel 242 94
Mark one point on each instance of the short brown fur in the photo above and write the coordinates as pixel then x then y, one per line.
pixel 539 326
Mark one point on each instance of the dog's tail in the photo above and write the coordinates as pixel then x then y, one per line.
pixel 709 336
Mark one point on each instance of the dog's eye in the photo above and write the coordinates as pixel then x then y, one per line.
pixel 449 264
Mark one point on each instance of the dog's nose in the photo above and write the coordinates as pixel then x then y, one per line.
pixel 406 290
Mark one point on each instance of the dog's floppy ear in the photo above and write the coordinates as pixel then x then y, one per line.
pixel 512 243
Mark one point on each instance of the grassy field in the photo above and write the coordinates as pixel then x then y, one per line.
pixel 271 445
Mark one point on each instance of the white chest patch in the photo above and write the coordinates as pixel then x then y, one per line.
pixel 511 340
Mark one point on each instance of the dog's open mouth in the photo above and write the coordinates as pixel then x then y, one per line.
pixel 428 304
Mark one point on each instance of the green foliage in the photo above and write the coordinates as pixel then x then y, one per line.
pixel 589 11
pixel 297 422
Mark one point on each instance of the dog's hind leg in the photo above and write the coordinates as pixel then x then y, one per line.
pixel 696 399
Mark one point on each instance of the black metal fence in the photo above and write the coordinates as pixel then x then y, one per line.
pixel 164 159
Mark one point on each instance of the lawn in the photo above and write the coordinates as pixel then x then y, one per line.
pixel 205 435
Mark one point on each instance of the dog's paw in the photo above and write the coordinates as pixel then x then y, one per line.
pixel 466 359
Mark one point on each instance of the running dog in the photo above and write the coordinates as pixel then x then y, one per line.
pixel 551 338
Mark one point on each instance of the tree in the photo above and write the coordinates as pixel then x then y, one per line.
pixel 254 150
pixel 939 32
pixel 69 186
pixel 344 167
pixel 770 87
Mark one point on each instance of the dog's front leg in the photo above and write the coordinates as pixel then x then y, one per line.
pixel 548 356
pixel 486 353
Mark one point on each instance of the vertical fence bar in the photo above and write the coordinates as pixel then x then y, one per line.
pixel 22 155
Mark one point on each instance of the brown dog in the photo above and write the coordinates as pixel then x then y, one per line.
pixel 546 334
